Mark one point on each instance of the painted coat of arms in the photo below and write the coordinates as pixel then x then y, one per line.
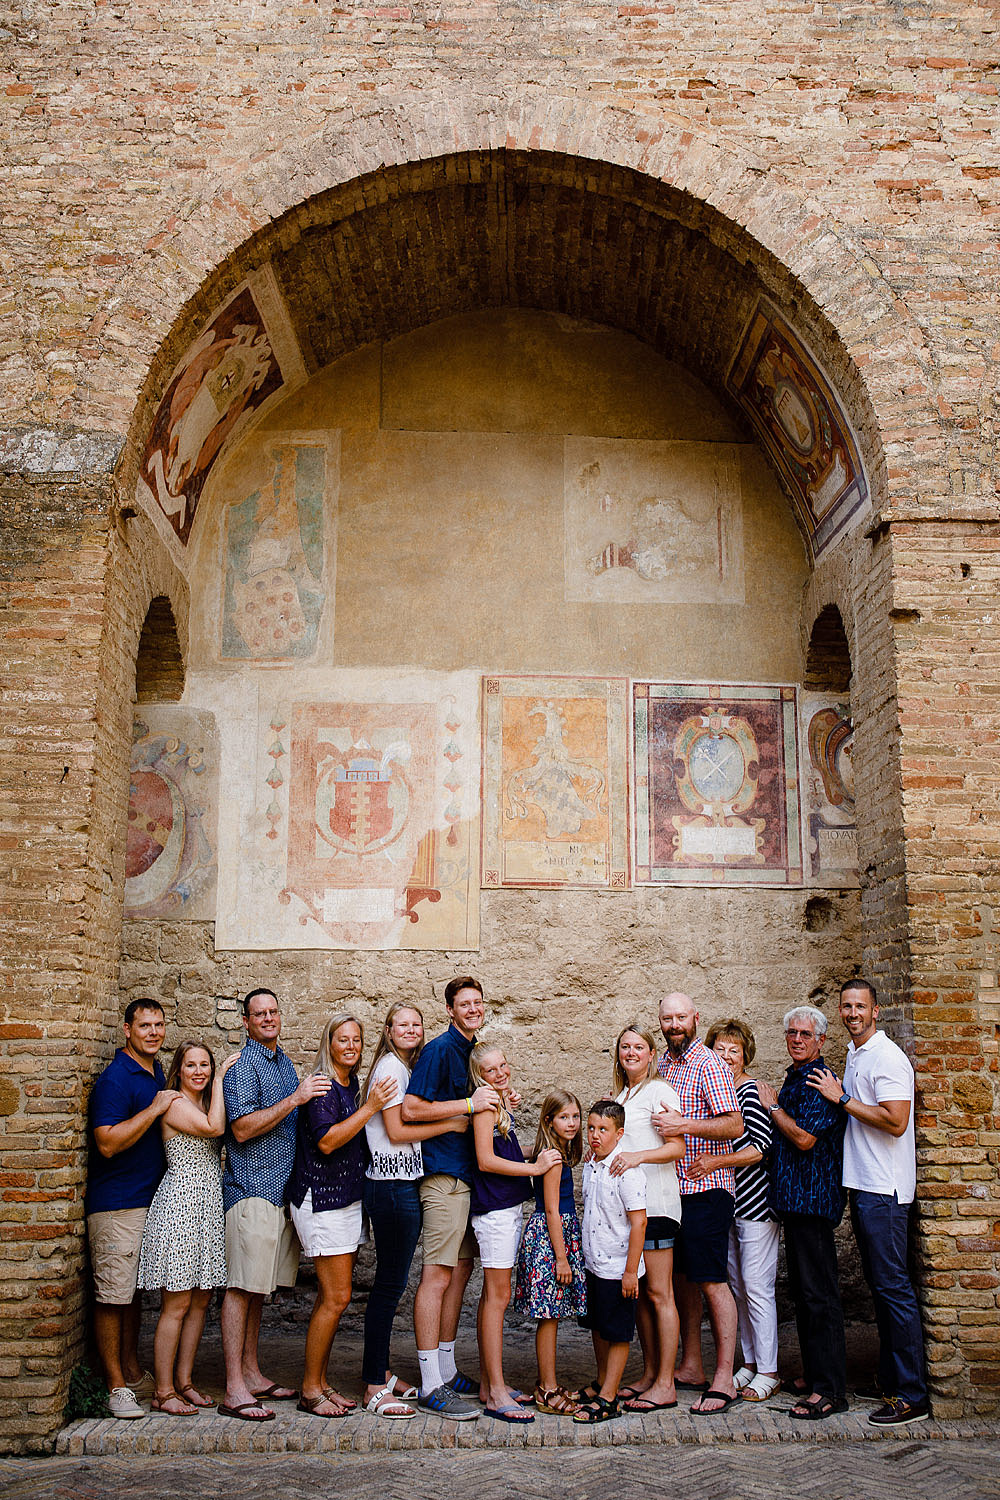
pixel 364 827
pixel 555 811
pixel 715 785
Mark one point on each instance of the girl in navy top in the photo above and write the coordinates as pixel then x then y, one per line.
pixel 550 1275
pixel 499 1187
pixel 325 1196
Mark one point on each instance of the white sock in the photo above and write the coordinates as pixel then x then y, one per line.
pixel 446 1358
pixel 430 1372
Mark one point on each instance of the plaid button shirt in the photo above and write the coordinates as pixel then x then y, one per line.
pixel 704 1085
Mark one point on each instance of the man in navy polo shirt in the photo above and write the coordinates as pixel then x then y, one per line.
pixel 124 1170
pixel 438 1090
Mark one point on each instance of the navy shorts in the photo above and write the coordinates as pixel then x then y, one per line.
pixel 701 1251
pixel 609 1313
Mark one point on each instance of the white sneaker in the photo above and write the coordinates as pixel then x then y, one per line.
pixel 122 1403
pixel 144 1383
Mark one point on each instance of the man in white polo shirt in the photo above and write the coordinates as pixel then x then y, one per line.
pixel 880 1172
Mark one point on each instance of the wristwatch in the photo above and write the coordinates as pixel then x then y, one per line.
pixel 844 1099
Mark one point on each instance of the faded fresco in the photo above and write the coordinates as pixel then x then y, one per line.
pixel 652 522
pixel 170 842
pixel 360 827
pixel 275 559
pixel 829 820
pixel 716 798
pixel 795 411
pixel 244 355
pixel 554 782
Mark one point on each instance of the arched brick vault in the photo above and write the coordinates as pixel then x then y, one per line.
pixel 740 210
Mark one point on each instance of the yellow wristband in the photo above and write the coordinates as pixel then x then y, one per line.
pixel 471 1110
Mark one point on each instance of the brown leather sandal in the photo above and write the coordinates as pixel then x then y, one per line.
pixel 557 1402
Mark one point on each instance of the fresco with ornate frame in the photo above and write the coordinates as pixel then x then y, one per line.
pixel 830 823
pixel 555 805
pixel 794 409
pixel 715 784
pixel 170 840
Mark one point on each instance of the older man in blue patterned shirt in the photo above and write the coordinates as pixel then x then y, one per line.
pixel 262 1092
pixel 806 1173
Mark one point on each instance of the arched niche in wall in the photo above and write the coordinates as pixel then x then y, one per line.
pixel 159 664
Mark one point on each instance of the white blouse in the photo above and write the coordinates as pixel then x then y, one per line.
pixel 391 1163
pixel 663 1198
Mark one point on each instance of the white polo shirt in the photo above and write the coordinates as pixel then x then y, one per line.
pixel 874 1160
pixel 607 1202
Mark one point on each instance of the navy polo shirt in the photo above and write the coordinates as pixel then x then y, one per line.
pixel 130 1179
pixel 442 1072
pixel 808 1182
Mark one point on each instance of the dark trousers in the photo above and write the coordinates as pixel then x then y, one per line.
pixel 812 1280
pixel 393 1209
pixel 881 1228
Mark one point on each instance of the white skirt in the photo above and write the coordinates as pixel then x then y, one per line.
pixel 498 1235
pixel 333 1231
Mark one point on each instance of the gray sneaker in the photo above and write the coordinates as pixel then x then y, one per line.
pixel 122 1403
pixel 443 1402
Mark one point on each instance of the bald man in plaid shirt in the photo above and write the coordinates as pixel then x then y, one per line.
pixel 709 1120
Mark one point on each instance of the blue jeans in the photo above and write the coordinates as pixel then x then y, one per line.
pixel 393 1209
pixel 881 1225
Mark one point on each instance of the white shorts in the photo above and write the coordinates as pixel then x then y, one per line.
pixel 498 1235
pixel 333 1231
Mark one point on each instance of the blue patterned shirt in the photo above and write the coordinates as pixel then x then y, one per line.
pixel 258 1079
pixel 808 1182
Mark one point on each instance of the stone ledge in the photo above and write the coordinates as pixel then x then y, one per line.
pixel 210 1433
pixel 69 452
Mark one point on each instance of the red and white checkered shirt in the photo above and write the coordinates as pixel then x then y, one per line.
pixel 704 1085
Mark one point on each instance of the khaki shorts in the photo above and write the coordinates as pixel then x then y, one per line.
pixel 114 1238
pixel 261 1249
pixel 448 1236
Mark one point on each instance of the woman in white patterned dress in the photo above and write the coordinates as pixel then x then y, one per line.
pixel 184 1241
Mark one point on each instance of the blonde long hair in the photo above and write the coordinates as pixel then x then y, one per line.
pixel 174 1071
pixel 386 1046
pixel 323 1062
pixel 554 1101
pixel 621 1081
pixel 476 1081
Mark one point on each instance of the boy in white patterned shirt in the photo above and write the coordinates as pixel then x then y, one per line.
pixel 614 1227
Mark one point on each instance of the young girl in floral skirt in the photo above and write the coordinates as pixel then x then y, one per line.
pixel 550 1274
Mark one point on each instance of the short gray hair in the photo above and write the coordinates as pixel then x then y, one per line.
pixel 807 1013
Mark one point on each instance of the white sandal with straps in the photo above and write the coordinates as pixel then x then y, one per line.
pixel 386 1404
pixel 761 1388
pixel 743 1377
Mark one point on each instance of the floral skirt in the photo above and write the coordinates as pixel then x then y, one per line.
pixel 538 1293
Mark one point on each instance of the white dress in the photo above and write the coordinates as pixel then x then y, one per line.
pixel 184 1241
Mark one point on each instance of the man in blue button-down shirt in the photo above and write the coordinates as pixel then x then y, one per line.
pixel 262 1093
pixel 806 1173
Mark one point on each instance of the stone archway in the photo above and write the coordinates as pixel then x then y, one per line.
pixel 730 208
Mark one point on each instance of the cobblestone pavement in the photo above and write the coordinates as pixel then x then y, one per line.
pixel 914 1468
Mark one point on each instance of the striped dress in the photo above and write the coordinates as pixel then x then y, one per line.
pixel 751 1182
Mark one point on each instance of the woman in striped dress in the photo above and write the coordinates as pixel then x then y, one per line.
pixel 753 1240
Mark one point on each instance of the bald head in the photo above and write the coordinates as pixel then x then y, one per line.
pixel 678 1021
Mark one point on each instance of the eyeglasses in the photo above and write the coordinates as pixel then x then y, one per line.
pixel 810 1036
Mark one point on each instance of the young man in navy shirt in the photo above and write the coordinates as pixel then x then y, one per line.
pixel 438 1090
pixel 126 1164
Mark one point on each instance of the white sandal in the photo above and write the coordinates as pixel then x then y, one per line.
pixel 761 1388
pixel 383 1401
pixel 407 1393
pixel 743 1377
